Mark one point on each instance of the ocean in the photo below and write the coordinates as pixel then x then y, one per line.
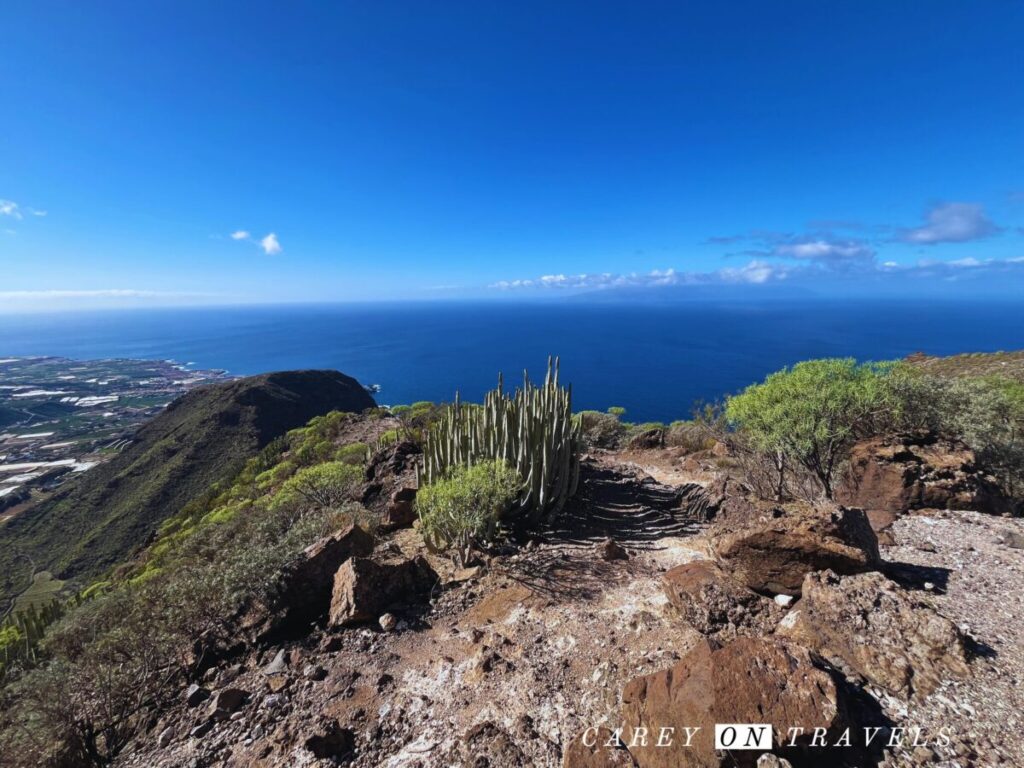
pixel 655 361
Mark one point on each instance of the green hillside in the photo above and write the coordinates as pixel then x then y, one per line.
pixel 96 521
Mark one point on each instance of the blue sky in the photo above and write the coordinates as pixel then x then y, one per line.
pixel 415 151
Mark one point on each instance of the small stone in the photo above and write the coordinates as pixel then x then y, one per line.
pixel 196 695
pixel 165 737
pixel 465 574
pixel 201 730
pixel 784 601
pixel 229 699
pixel 237 716
pixel 388 622
pixel 609 550
pixel 929 586
pixel 277 666
pixel 277 683
pixel 273 701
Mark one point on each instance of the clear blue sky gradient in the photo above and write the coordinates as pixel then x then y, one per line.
pixel 413 150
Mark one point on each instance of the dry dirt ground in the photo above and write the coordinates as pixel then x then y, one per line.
pixel 506 667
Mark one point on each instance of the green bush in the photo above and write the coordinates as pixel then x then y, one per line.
pixel 463 511
pixel 353 453
pixel 812 413
pixel 617 411
pixel 325 486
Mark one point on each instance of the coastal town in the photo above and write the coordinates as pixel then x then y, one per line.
pixel 59 417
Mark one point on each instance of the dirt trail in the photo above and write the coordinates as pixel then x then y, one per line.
pixel 503 669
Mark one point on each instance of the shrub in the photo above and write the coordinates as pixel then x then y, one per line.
pixel 617 411
pixel 811 414
pixel 353 453
pixel 462 512
pixel 326 486
pixel 601 430
pixel 688 435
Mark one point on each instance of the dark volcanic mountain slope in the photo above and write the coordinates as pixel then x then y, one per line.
pixel 199 439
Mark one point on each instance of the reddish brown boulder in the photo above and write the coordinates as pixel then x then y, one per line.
pixel 713 603
pixel 869 626
pixel 400 512
pixel 597 748
pixel 749 680
pixel 304 594
pixel 772 554
pixel 919 471
pixel 364 589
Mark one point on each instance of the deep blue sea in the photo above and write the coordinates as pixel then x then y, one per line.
pixel 655 361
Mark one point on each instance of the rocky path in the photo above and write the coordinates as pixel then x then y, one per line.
pixel 502 670
pixel 508 663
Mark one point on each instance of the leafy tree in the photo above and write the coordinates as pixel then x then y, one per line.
pixel 463 511
pixel 812 413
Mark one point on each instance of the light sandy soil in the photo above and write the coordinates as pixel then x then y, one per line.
pixel 977 580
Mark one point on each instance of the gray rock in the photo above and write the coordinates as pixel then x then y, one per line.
pixel 196 695
pixel 277 666
pixel 165 737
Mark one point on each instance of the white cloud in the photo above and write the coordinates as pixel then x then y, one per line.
pixel 951 223
pixel 270 245
pixel 826 251
pixel 10 208
pixel 755 272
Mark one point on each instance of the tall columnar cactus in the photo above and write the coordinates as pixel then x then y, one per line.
pixel 532 429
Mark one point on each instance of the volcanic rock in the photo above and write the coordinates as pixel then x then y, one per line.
pixel 869 626
pixel 364 589
pixel 399 513
pixel 919 471
pixel 712 602
pixel 306 585
pixel 772 554
pixel 749 680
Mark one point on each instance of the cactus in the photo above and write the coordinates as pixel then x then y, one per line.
pixel 532 429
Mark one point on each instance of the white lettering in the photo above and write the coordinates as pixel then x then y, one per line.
pixel 639 738
pixel 793 733
pixel 587 740
pixel 665 732
pixel 844 740
pixel 690 733
pixel 896 737
pixel 818 739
